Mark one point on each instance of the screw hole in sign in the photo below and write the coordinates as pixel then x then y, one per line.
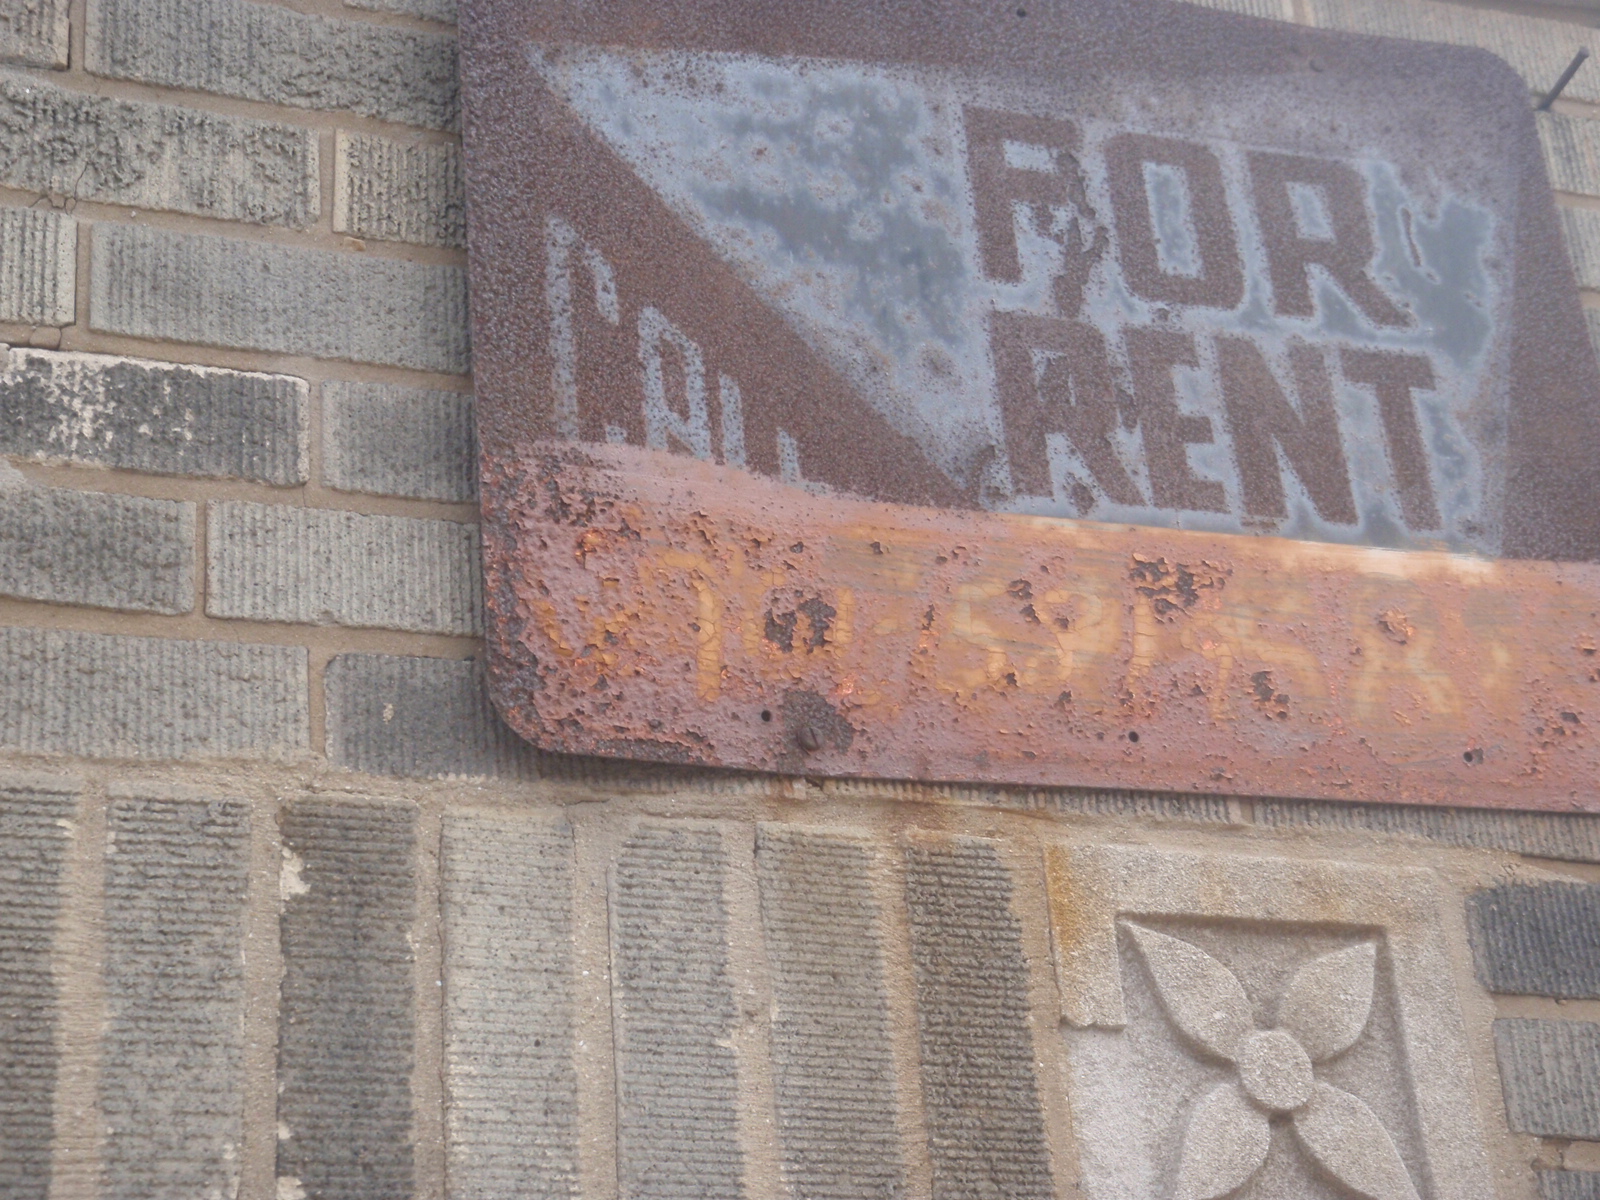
pixel 1133 735
pixel 766 714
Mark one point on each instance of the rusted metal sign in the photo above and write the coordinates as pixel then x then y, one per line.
pixel 1109 393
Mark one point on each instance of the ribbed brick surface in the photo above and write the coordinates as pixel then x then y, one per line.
pixel 512 1115
pixel 150 416
pixel 34 32
pixel 1550 1074
pixel 1581 227
pixel 38 266
pixel 172 1062
pixel 1569 1185
pixel 221 291
pixel 1574 836
pixel 346 1026
pixel 1538 939
pixel 399 441
pixel 1276 10
pixel 433 10
pixel 314 566
pixel 399 191
pixel 1571 152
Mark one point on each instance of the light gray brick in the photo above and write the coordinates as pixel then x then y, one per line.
pixel 399 441
pixel 97 549
pixel 35 816
pixel 677 1077
pixel 1537 939
pixel 346 1025
pixel 985 1126
pixel 1581 228
pixel 172 1062
pixel 1592 316
pixel 166 418
pixel 433 10
pixel 34 32
pixel 1571 152
pixel 419 717
pixel 1273 10
pixel 155 156
pixel 38 267
pixel 834 1069
pixel 1569 1185
pixel 1574 837
pixel 105 696
pixel 1550 1074
pixel 512 1123
pixel 318 566
pixel 221 291
pixel 399 191
pixel 273 54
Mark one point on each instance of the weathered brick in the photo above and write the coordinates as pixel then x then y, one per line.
pixel 165 418
pixel 419 717
pixel 1571 152
pixel 1574 837
pixel 172 1062
pixel 985 1125
pixel 1537 939
pixel 221 291
pixel 677 1076
pixel 834 1069
pixel 93 548
pixel 512 1124
pixel 1550 1074
pixel 433 10
pixel 1274 10
pixel 34 32
pixel 35 816
pixel 399 441
pixel 273 54
pixel 318 566
pixel 346 1025
pixel 104 696
pixel 1581 227
pixel 38 267
pixel 155 155
pixel 399 191
pixel 1569 1185
pixel 1592 316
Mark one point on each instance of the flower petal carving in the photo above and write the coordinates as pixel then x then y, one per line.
pixel 1200 995
pixel 1348 1141
pixel 1226 1143
pixel 1329 1000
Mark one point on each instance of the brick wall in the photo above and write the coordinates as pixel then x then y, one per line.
pixel 286 912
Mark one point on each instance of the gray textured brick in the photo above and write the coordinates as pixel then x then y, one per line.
pixel 1571 152
pixel 512 1126
pixel 346 1027
pixel 276 55
pixel 985 1126
pixel 251 295
pixel 148 416
pixel 34 820
pixel 34 32
pixel 677 1077
pixel 419 717
pixel 38 267
pixel 399 191
pixel 1574 837
pixel 1537 939
pixel 318 566
pixel 1592 316
pixel 1581 227
pixel 433 10
pixel 835 1077
pixel 399 441
pixel 1550 1074
pixel 172 1063
pixel 105 696
pixel 155 155
pixel 1275 10
pixel 94 548
pixel 1569 1185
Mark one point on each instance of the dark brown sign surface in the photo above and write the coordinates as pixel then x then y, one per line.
pixel 791 315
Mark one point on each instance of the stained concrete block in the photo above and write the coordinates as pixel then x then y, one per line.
pixel 1574 837
pixel 1550 1074
pixel 219 291
pixel 433 10
pixel 419 717
pixel 34 835
pixel 985 1125
pixel 677 1076
pixel 346 1025
pixel 275 55
pixel 108 696
pixel 314 566
pixel 512 1089
pixel 1537 939
pixel 834 1073
pixel 35 33
pixel 38 267
pixel 399 191
pixel 1569 1185
pixel 399 441
pixel 1581 228
pixel 1571 152
pixel 93 548
pixel 172 1061
pixel 149 416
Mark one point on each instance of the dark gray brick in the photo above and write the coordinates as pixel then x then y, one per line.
pixel 835 1080
pixel 95 548
pixel 273 54
pixel 985 1126
pixel 1550 1074
pixel 38 267
pixel 219 291
pixel 399 441
pixel 1538 939
pixel 1574 837
pixel 1569 1185
pixel 34 32
pixel 399 191
pixel 677 1077
pixel 346 1026
pixel 172 1065
pixel 512 1116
